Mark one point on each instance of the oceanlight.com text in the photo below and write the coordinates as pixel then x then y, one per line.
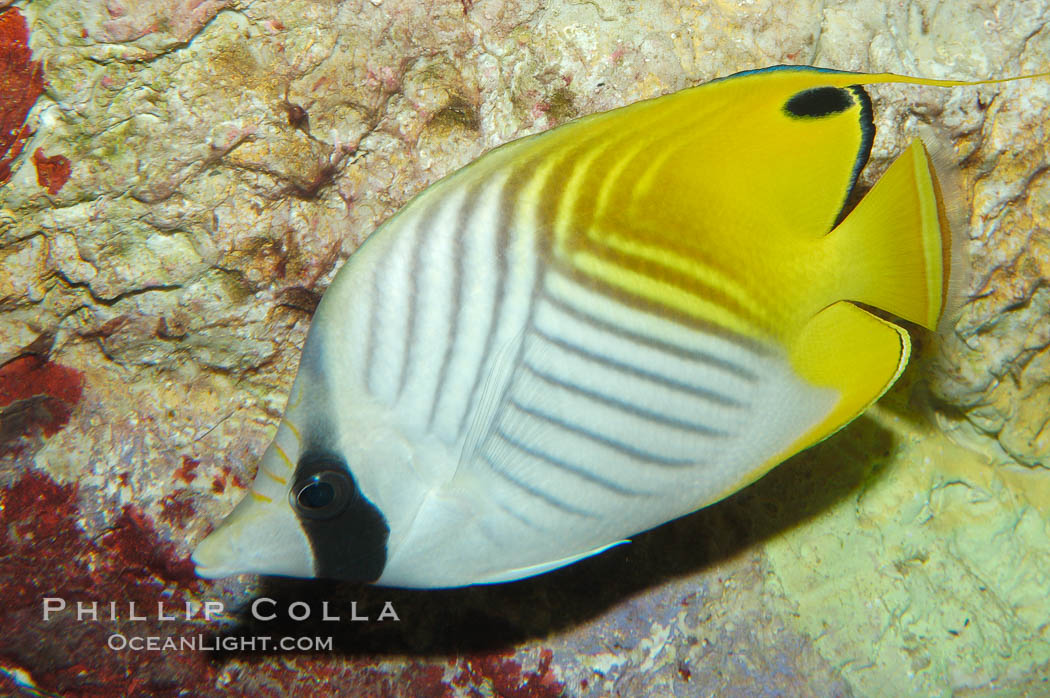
pixel 197 643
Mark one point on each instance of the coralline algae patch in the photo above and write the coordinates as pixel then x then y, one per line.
pixel 21 82
pixel 37 397
pixel 44 553
pixel 52 172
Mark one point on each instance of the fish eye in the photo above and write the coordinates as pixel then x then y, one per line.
pixel 322 495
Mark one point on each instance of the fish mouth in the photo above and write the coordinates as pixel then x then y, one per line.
pixel 208 560
pixel 210 572
pixel 258 537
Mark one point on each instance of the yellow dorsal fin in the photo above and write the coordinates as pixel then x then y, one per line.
pixel 663 202
pixel 775 151
pixel 785 138
pixel 695 204
pixel 697 161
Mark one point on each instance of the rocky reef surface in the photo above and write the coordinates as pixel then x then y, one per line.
pixel 180 180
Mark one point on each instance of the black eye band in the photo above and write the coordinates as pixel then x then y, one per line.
pixel 322 494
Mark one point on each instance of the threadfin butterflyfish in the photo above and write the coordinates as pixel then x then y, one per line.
pixel 591 331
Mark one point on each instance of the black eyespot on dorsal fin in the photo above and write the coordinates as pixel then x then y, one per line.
pixel 819 102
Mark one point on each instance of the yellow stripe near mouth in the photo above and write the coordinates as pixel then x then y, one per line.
pixel 284 456
pixel 276 478
pixel 295 432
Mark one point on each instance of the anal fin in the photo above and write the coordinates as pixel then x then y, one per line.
pixel 532 570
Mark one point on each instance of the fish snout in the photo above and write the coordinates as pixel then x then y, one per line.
pixel 258 537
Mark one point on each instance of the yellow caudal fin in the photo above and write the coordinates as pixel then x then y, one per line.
pixel 895 250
